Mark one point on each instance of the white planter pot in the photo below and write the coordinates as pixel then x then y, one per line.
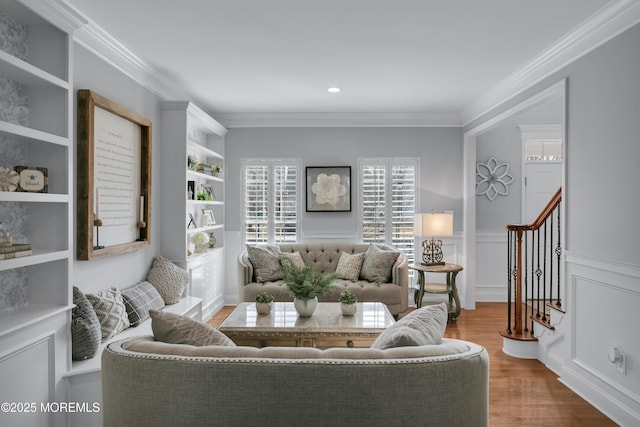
pixel 263 307
pixel 305 308
pixel 348 309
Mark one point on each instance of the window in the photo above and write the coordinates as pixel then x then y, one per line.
pixel 270 204
pixel 388 192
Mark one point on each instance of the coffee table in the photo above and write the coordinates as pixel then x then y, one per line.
pixel 326 328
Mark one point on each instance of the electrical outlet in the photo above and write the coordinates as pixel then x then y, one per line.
pixel 617 356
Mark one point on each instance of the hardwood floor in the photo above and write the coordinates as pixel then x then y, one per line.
pixel 521 392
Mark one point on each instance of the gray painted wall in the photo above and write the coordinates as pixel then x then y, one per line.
pixel 439 151
pixel 90 72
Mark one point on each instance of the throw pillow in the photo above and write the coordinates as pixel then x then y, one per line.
pixel 423 326
pixel 175 329
pixel 85 328
pixel 169 279
pixel 139 299
pixel 377 264
pixel 349 266
pixel 266 262
pixel 294 259
pixel 111 312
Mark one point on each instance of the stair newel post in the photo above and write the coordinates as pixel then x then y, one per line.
pixel 518 287
pixel 558 252
pixel 509 267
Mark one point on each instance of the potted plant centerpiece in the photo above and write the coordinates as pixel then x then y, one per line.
pixel 348 302
pixel 263 302
pixel 305 287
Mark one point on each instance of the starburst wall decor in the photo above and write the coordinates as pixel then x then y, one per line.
pixel 493 179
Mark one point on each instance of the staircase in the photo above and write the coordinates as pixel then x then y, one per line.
pixel 534 277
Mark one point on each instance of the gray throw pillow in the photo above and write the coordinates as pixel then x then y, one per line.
pixel 266 262
pixel 423 326
pixel 85 328
pixel 139 299
pixel 377 264
pixel 294 259
pixel 111 312
pixel 349 266
pixel 175 329
pixel 169 279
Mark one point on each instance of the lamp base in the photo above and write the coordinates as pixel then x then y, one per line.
pixel 428 264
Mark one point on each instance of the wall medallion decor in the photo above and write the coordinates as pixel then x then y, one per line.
pixel 328 188
pixel 493 179
pixel 114 178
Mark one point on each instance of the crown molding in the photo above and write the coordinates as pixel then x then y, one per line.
pixel 197 113
pixel 58 12
pixel 246 120
pixel 607 23
pixel 540 132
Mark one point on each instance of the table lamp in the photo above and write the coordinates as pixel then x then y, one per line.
pixel 432 224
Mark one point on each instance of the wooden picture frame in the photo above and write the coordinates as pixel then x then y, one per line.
pixel 328 189
pixel 114 178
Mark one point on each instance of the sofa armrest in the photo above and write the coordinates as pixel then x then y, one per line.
pixel 245 273
pixel 400 277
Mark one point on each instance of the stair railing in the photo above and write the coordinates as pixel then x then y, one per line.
pixel 533 271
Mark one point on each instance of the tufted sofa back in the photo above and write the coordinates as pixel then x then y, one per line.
pixel 323 257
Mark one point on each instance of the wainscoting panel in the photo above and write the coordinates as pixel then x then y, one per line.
pixel 32 386
pixel 603 299
pixel 491 266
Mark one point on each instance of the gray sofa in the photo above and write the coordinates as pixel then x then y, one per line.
pixel 150 383
pixel 323 258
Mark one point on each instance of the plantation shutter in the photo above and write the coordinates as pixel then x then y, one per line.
pixel 403 192
pixel 374 213
pixel 285 189
pixel 256 204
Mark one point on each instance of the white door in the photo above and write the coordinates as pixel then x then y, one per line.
pixel 542 180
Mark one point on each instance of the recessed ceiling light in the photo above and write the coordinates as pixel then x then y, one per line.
pixel 333 89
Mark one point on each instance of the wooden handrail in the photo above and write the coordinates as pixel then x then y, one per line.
pixel 546 213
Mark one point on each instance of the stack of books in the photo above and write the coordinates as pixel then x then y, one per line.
pixel 9 250
pixel 203 168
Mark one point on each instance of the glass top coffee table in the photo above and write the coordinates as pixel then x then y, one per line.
pixel 326 328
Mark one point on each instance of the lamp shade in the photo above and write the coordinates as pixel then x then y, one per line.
pixel 433 224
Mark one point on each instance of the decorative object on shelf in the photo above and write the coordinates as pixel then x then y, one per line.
pixel 212 240
pixel 192 162
pixel 191 190
pixel 493 179
pixel 305 287
pixel 263 302
pixel 10 250
pixel 9 179
pixel 207 192
pixel 432 224
pixel 33 179
pixel 207 219
pixel 109 137
pixel 328 188
pixel 348 302
pixel 216 170
pixel 191 221
pixel 201 240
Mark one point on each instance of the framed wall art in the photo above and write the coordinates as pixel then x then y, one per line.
pixel 328 188
pixel 114 178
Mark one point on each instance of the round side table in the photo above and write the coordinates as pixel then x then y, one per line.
pixel 451 271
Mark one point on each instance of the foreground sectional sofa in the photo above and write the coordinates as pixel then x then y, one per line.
pixel 152 383
pixel 389 286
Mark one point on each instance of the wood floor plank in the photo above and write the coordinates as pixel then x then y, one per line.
pixel 521 392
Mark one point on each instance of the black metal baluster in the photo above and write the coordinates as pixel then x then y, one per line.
pixel 509 243
pixel 538 274
pixel 544 272
pixel 524 283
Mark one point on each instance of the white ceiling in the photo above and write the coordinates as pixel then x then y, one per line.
pixel 280 56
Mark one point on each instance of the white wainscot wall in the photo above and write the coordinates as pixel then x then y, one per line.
pixel 602 305
pixel 491 266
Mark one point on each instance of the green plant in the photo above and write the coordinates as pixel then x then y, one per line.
pixel 348 297
pixel 264 298
pixel 303 283
pixel 203 196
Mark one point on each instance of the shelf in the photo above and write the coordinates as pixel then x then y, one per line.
pixel 20 71
pixel 205 202
pixel 19 196
pixel 205 229
pixel 202 150
pixel 40 256
pixel 22 317
pixel 210 251
pixel 32 134
pixel 204 176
